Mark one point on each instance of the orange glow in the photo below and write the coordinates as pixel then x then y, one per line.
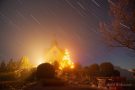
pixel 38 62
pixel 66 61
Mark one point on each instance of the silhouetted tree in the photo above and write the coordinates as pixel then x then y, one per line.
pixel 94 69
pixel 77 69
pixel 56 65
pixel 11 66
pixel 45 71
pixel 32 75
pixel 106 66
pixel 3 67
pixel 121 31
pixel 116 73
pixel 106 69
pixel 94 72
pixel 24 63
pixel 77 66
pixel 86 70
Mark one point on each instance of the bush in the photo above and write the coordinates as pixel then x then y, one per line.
pixel 7 76
pixel 94 70
pixel 106 66
pixel 106 69
pixel 32 75
pixel 44 71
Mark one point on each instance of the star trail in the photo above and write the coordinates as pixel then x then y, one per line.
pixel 27 27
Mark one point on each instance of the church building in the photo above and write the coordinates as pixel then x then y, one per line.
pixel 56 54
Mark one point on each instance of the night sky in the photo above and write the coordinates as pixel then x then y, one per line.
pixel 28 27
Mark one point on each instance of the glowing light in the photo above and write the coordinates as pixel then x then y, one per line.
pixel 66 61
pixel 72 66
pixel 40 61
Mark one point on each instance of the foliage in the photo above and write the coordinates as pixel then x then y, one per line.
pixel 106 69
pixel 24 63
pixel 3 67
pixel 11 65
pixel 7 76
pixel 11 70
pixel 106 66
pixel 78 66
pixel 56 65
pixel 116 73
pixel 121 31
pixel 77 69
pixel 94 69
pixel 45 70
pixel 32 75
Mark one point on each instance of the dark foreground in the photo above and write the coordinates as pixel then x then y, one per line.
pixel 66 87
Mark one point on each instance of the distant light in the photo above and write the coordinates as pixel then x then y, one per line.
pixel 72 66
pixel 39 61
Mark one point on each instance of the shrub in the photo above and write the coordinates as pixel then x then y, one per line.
pixel 106 66
pixel 7 76
pixel 32 75
pixel 106 69
pixel 44 71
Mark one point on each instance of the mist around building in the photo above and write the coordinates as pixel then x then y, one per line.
pixel 58 69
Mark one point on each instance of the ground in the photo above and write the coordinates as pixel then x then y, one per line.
pixel 68 87
pixel 60 88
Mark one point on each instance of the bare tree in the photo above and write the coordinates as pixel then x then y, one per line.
pixel 120 32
